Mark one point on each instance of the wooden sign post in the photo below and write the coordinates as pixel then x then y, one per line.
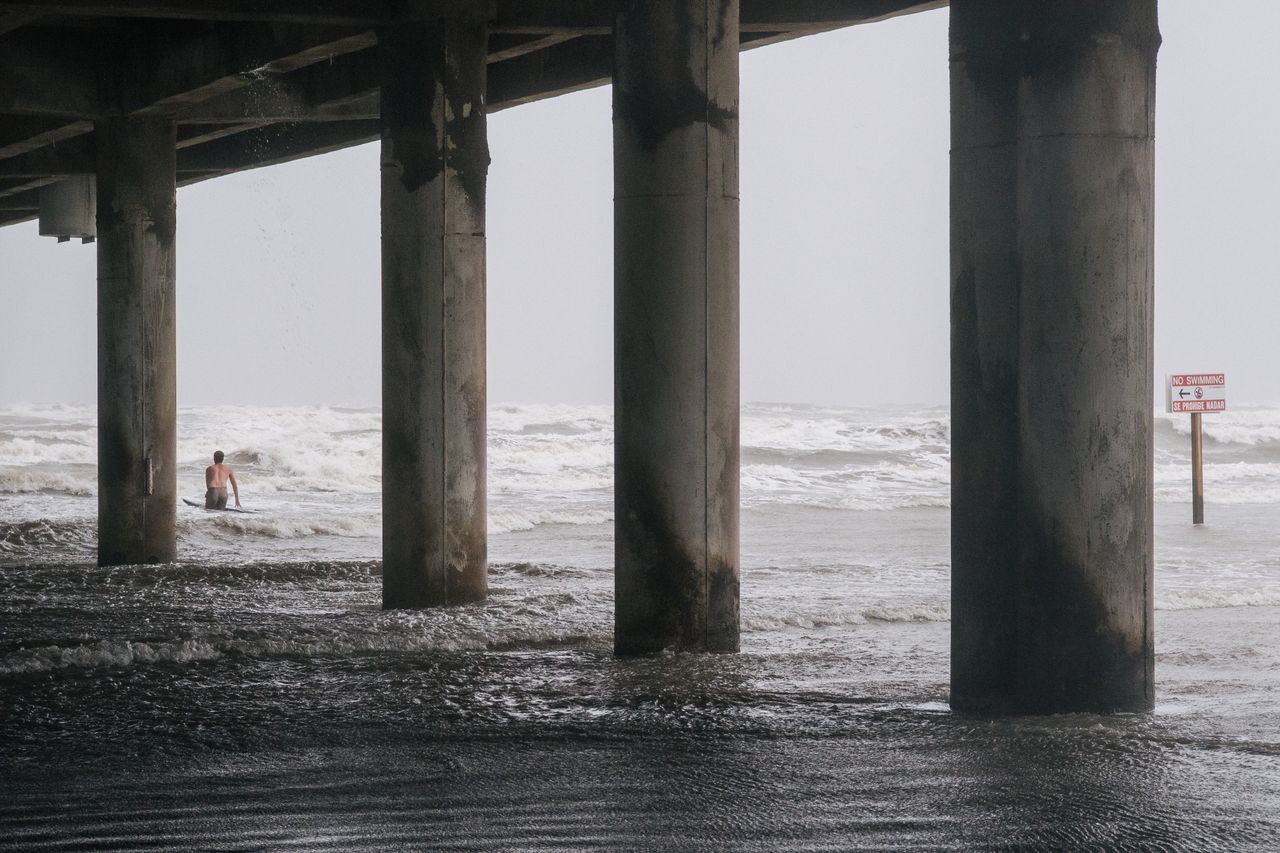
pixel 1197 393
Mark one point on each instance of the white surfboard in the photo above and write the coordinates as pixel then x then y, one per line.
pixel 200 505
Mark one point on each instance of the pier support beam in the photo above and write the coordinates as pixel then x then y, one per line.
pixel 435 160
pixel 1051 350
pixel 137 379
pixel 676 325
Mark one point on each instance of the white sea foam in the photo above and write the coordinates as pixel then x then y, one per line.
pixel 1253 427
pixel 1225 482
pixel 509 521
pixel 1203 599
pixel 369 524
pixel 298 528
pixel 539 625
pixel 838 458
pixel 837 617
pixel 28 480
pixel 106 653
pixel 44 448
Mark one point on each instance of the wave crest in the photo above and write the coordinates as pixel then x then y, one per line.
pixel 30 480
pixel 106 653
pixel 837 617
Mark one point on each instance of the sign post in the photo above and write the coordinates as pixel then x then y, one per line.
pixel 1197 470
pixel 1197 393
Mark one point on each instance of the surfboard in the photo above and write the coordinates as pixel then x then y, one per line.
pixel 200 505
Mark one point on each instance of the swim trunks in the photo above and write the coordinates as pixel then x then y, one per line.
pixel 216 498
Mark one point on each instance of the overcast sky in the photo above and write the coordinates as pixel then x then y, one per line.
pixel 844 239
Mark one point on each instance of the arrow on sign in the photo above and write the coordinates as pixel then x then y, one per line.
pixel 1182 393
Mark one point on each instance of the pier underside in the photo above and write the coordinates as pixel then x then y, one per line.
pixel 253 84
pixel 1051 291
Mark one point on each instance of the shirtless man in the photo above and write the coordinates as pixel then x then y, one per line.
pixel 216 477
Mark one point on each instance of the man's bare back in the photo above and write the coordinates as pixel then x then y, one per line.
pixel 216 477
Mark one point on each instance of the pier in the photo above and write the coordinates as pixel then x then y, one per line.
pixel 107 106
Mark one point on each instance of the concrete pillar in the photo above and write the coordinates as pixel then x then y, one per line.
pixel 676 325
pixel 435 159
pixel 1052 284
pixel 137 379
pixel 984 354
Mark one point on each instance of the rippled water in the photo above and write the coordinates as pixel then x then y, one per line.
pixel 253 696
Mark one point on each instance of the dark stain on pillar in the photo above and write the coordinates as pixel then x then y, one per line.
pixel 992 37
pixel 723 595
pixel 466 126
pixel 984 38
pixel 984 510
pixel 723 25
pixel 664 96
pixel 1073 655
pixel 409 80
pixel 665 579
pixel 1054 35
pixel 163 224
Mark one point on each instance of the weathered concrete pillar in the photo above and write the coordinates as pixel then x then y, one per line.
pixel 676 325
pixel 984 354
pixel 137 378
pixel 435 159
pixel 1052 283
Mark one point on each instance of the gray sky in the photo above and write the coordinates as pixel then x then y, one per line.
pixel 844 239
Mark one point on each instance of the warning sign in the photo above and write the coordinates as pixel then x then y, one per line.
pixel 1197 392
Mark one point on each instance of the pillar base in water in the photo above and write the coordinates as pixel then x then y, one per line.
pixel 434 162
pixel 1051 323
pixel 676 326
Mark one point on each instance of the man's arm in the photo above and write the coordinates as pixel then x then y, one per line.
pixel 231 475
pixel 208 477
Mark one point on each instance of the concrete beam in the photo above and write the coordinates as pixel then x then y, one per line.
pixel 273 144
pixel 347 88
pixel 226 58
pixel 20 134
pixel 583 63
pixel 801 16
pixel 676 326
pixel 20 187
pixel 11 20
pixel 50 73
pixel 326 91
pixel 72 157
pixel 190 136
pixel 1052 286
pixel 585 17
pixel 578 17
pixel 502 48
pixel 333 12
pixel 569 67
pixel 435 160
pixel 137 389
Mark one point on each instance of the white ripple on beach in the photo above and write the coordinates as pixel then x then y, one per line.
pixel 551 618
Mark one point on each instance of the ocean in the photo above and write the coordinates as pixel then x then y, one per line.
pixel 254 696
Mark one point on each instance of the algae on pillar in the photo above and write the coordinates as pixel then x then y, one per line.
pixel 137 380
pixel 435 159
pixel 676 325
pixel 1051 308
